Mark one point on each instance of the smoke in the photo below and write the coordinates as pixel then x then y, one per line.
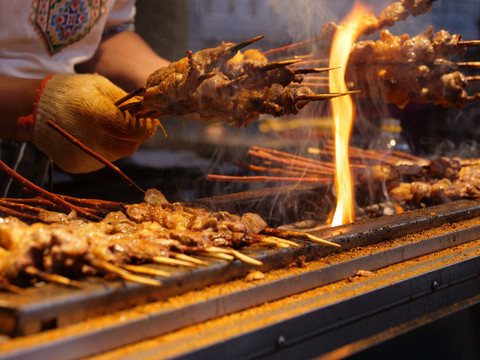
pixel 304 18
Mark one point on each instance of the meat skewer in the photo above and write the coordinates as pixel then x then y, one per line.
pixel 408 179
pixel 46 194
pixel 401 69
pixel 218 84
pixel 106 245
pixel 398 69
pixel 442 180
pixel 393 13
pixel 154 231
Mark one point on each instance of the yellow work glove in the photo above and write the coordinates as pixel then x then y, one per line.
pixel 83 106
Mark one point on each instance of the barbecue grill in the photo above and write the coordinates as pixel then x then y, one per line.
pixel 393 274
pixel 396 279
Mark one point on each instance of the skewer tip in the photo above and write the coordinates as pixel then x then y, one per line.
pixel 316 97
pixel 314 70
pixel 322 241
pixel 469 42
pixel 278 64
pixel 469 64
pixel 245 43
pixel 245 258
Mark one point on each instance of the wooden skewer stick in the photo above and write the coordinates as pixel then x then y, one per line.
pixel 230 52
pixel 387 156
pixel 191 259
pixel 311 84
pixel 299 234
pixel 289 47
pixel 469 64
pixel 469 42
pixel 36 201
pixel 318 240
pixel 243 44
pixel 163 260
pixel 96 156
pixel 313 70
pixel 269 240
pixel 278 64
pixel 324 96
pixel 266 240
pixel 90 203
pixel 277 241
pixel 19 214
pixel 305 56
pixel 136 109
pixel 290 171
pixel 146 270
pixel 129 96
pixel 95 203
pixel 473 78
pixel 323 164
pixel 287 242
pixel 124 274
pixel 245 258
pixel 53 278
pixel 216 249
pixel 19 206
pixel 392 156
pixel 290 159
pixel 218 255
pixel 44 193
pixel 25 210
pixel 245 179
pixel 149 114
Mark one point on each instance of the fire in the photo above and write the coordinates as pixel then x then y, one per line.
pixel 343 112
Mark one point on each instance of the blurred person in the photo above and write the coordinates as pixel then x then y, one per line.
pixel 68 61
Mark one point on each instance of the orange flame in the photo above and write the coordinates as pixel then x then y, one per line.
pixel 343 112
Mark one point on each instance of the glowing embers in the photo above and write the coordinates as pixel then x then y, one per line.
pixel 343 112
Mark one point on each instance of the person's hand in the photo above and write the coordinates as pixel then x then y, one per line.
pixel 83 105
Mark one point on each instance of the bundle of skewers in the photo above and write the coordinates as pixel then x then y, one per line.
pixel 222 84
pixel 395 69
pixel 409 181
pixel 61 239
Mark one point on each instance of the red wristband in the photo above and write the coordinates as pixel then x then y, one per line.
pixel 29 120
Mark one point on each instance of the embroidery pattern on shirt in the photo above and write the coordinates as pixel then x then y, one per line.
pixel 64 22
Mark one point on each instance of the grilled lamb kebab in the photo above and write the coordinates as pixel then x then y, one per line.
pixel 393 13
pixel 441 180
pixel 398 69
pixel 218 84
pixel 401 69
pixel 154 232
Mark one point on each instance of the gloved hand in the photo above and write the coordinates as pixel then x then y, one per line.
pixel 83 105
